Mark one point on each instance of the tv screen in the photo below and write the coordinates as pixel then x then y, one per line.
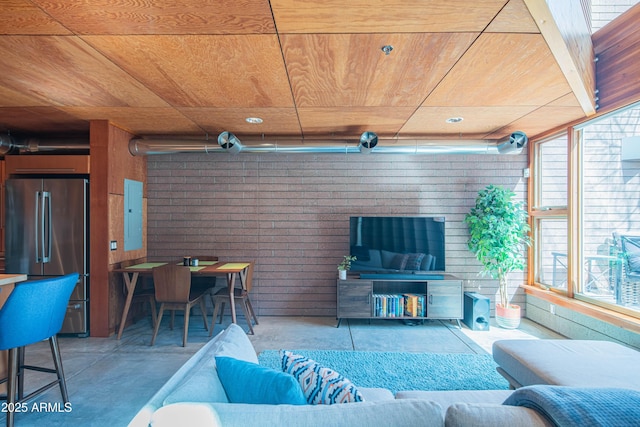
pixel 393 244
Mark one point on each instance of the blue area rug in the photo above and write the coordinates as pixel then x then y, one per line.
pixel 405 371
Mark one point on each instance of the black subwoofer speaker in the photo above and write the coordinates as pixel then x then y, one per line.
pixel 477 311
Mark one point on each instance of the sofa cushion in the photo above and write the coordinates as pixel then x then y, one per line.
pixel 247 382
pixel 320 385
pixel 375 394
pixel 389 413
pixel 414 261
pixel 202 384
pixel 446 398
pixel 399 262
pixel 428 263
pixel 480 414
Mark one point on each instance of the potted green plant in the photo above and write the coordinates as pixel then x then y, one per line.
pixel 498 232
pixel 345 266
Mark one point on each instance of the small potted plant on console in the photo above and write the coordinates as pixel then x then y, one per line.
pixel 499 230
pixel 345 266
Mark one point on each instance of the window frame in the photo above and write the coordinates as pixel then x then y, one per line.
pixel 572 213
pixel 538 213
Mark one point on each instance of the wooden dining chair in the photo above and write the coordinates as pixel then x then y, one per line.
pixel 173 291
pixel 241 295
pixel 205 283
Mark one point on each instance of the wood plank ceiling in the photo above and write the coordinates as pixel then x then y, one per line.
pixel 309 69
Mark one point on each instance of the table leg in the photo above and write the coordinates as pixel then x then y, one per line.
pixel 130 282
pixel 231 281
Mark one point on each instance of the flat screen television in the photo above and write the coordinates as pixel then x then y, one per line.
pixel 397 244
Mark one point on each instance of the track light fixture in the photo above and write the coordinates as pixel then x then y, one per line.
pixel 368 140
pixel 229 142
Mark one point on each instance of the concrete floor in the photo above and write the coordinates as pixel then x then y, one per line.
pixel 109 379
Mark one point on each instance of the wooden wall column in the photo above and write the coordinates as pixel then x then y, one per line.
pixel 111 163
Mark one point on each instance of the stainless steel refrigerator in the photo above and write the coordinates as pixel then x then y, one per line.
pixel 47 235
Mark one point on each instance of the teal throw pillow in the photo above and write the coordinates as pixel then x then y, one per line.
pixel 320 385
pixel 247 382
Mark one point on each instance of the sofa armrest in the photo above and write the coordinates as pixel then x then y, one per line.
pixel 143 417
pixel 197 380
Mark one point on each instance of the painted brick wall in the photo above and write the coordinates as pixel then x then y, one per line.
pixel 290 213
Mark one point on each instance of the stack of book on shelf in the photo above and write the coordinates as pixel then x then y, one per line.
pixel 399 305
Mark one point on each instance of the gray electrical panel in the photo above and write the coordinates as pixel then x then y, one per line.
pixel 132 215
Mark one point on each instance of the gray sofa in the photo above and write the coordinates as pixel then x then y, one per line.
pixel 195 396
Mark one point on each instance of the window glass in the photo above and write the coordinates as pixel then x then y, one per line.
pixel 611 208
pixel 553 173
pixel 550 226
pixel 552 249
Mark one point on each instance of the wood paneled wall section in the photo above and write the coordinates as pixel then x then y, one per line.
pixel 617 47
pixel 2 178
pixel 291 213
pixel 111 163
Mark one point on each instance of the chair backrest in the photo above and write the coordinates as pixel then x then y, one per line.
pixel 630 248
pixel 172 283
pixel 205 257
pixel 35 310
pixel 248 281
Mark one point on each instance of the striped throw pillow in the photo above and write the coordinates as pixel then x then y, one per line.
pixel 320 385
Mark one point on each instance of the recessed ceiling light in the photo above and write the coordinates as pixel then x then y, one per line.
pixel 254 120
pixel 386 49
pixel 454 119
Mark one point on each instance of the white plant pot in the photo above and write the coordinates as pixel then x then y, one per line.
pixel 509 317
pixel 342 274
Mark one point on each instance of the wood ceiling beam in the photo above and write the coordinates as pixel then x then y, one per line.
pixel 564 28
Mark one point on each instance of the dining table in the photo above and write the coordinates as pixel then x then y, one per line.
pixel 232 270
pixel 7 283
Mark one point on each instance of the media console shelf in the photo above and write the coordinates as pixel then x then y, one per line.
pixel 398 296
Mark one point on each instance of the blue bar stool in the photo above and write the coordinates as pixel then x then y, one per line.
pixel 33 312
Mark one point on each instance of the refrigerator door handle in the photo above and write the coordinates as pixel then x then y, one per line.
pixel 38 223
pixel 46 231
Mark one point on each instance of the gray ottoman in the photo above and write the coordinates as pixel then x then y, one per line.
pixel 578 363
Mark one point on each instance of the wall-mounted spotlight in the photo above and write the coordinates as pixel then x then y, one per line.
pixel 368 140
pixel 514 144
pixel 229 142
